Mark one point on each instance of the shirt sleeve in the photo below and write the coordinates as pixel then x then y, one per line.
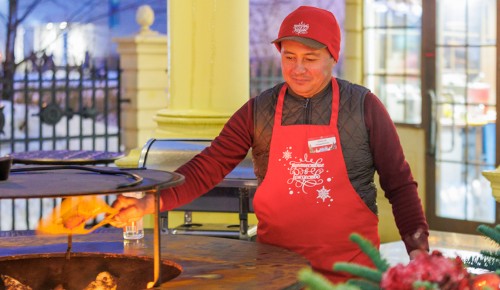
pixel 208 168
pixel 395 175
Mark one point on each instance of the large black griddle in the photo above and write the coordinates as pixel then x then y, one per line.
pixel 63 181
pixel 74 180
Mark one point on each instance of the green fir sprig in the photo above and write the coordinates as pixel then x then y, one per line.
pixel 364 284
pixel 315 281
pixel 372 275
pixel 481 263
pixel 490 254
pixel 489 260
pixel 490 233
pixel 371 251
pixel 368 273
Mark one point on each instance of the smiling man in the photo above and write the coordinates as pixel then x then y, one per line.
pixel 306 70
pixel 317 142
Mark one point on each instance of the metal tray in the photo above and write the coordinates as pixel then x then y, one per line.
pixel 61 181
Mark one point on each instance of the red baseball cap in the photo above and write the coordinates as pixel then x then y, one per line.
pixel 311 26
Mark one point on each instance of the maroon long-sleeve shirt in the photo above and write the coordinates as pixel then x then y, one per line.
pixel 210 167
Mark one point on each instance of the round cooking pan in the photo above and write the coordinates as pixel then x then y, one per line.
pixel 47 271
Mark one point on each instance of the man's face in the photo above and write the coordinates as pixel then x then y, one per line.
pixel 306 70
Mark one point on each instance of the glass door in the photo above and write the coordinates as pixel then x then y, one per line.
pixel 460 64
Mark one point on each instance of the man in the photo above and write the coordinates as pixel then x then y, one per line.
pixel 316 143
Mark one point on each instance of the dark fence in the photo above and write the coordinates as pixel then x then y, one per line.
pixel 64 108
pixel 56 108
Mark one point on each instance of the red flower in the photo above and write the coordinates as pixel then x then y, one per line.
pixel 447 273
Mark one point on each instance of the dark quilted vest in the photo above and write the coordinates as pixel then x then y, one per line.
pixel 317 110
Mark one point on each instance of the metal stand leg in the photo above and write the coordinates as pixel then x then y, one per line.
pixel 157 246
pixel 188 217
pixel 164 222
pixel 244 209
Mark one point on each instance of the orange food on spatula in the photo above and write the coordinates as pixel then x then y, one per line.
pixel 72 214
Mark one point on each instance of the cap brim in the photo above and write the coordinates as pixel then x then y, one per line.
pixel 304 40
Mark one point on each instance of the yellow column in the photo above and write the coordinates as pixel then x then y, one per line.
pixel 353 40
pixel 208 73
pixel 208 68
pixel 143 60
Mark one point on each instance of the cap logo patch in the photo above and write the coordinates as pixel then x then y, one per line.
pixel 300 28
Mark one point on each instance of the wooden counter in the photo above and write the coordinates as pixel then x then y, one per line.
pixel 208 263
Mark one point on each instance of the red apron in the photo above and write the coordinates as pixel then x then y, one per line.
pixel 306 202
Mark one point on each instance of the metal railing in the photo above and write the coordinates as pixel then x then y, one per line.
pixel 73 108
pixel 56 108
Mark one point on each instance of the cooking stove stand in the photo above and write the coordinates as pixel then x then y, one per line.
pixel 153 181
pixel 157 243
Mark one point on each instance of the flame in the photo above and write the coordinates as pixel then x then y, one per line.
pixel 72 214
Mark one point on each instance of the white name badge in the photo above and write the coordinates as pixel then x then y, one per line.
pixel 322 144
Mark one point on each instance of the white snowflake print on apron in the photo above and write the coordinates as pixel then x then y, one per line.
pixel 306 175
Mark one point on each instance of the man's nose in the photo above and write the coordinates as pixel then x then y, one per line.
pixel 299 67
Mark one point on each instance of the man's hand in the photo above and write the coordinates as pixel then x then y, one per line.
pixel 131 209
pixel 415 253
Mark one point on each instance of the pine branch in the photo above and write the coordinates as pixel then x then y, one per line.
pixel 491 233
pixel 363 284
pixel 483 263
pixel 358 270
pixel 491 254
pixel 315 281
pixel 371 251
pixel 489 260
